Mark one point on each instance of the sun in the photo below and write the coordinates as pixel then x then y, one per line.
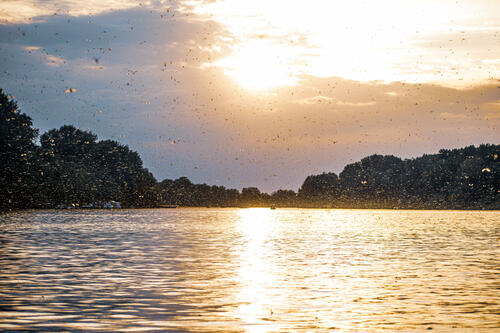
pixel 278 43
pixel 260 65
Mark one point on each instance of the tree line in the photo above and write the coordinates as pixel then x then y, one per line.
pixel 70 166
pixel 466 178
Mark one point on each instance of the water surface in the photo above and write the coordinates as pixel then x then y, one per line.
pixel 251 270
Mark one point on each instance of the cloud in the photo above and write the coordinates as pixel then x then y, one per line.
pixel 361 40
pixel 27 11
pixel 449 115
pixel 54 61
pixel 315 100
pixel 141 77
pixel 359 104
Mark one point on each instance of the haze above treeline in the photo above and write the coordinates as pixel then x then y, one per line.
pixel 71 167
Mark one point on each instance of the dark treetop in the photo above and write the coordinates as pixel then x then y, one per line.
pixel 71 167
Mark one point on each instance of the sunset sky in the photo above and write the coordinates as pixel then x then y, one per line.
pixel 258 93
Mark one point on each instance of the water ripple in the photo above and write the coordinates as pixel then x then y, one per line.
pixel 255 270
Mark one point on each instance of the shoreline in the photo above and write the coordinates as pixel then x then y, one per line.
pixel 250 207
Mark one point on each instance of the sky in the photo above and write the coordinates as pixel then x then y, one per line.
pixel 258 93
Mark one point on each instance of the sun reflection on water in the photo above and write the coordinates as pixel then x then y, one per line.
pixel 255 271
pixel 251 270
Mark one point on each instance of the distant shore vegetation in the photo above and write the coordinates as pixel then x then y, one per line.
pixel 70 167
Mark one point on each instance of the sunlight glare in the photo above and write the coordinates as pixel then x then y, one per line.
pixel 259 65
pixel 255 273
pixel 276 43
pixel 255 225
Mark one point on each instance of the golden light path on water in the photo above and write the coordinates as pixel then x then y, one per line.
pixel 275 284
pixel 251 270
pixel 334 276
pixel 255 272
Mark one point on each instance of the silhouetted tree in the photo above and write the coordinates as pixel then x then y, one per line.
pixel 284 198
pixel 376 180
pixel 320 189
pixel 251 196
pixel 78 169
pixel 466 178
pixel 17 149
pixel 71 166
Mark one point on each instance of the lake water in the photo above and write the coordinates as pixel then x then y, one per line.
pixel 251 270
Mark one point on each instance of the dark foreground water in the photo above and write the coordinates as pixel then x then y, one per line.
pixel 255 270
